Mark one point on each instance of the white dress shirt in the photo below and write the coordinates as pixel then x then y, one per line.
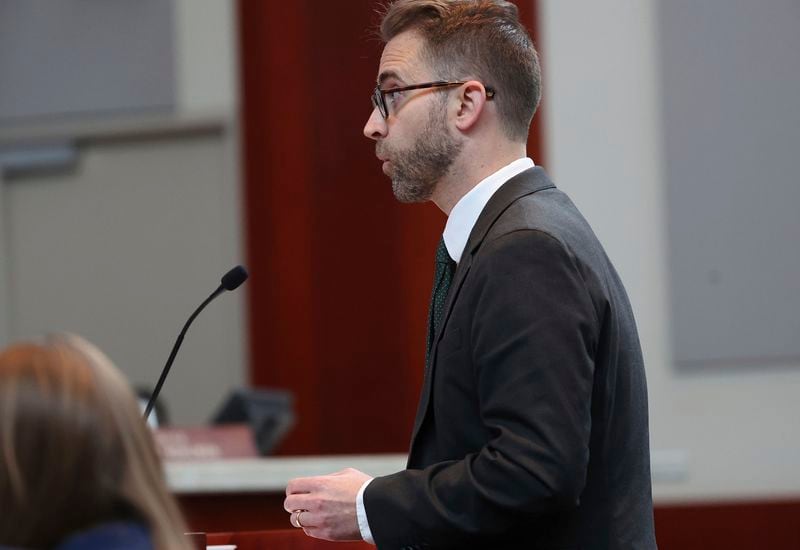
pixel 466 211
pixel 456 233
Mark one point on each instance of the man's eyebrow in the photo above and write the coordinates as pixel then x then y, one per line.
pixel 386 75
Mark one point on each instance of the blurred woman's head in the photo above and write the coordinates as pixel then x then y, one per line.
pixel 74 451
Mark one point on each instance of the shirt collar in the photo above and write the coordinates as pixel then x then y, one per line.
pixel 466 211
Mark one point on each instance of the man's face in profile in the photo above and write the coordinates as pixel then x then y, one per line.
pixel 414 141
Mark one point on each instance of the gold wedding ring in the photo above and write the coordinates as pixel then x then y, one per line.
pixel 297 518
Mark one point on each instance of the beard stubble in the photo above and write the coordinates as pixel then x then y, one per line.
pixel 417 170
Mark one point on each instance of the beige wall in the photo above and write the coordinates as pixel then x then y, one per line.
pixel 123 244
pixel 206 45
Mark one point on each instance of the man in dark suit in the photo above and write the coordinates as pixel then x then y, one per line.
pixel 532 427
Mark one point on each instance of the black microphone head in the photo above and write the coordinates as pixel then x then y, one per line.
pixel 233 278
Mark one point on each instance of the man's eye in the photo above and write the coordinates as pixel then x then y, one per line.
pixel 394 96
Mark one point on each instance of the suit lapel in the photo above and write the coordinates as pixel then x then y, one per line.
pixel 528 182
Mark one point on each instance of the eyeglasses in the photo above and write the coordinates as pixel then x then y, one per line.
pixel 379 96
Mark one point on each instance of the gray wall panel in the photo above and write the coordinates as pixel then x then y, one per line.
pixel 85 56
pixel 732 141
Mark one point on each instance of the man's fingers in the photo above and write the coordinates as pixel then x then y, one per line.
pixel 325 506
pixel 302 485
pixel 298 502
pixel 308 520
pixel 303 519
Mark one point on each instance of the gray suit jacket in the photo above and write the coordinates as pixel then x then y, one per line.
pixel 532 427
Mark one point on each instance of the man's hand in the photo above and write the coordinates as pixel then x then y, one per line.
pixel 328 504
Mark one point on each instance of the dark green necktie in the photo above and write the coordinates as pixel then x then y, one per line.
pixel 443 276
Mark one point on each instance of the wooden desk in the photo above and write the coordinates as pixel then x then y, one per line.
pixel 247 494
pixel 285 539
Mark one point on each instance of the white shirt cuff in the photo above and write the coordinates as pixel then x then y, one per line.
pixel 361 512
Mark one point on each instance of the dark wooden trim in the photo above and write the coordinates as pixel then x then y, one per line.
pixel 757 525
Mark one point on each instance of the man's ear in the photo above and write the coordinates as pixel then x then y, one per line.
pixel 472 100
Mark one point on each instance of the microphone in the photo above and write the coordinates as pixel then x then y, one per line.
pixel 230 281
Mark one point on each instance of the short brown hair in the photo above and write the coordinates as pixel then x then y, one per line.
pixel 481 39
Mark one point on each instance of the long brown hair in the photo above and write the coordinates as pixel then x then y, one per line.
pixel 74 450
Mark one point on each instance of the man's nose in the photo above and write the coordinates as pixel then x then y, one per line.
pixel 375 128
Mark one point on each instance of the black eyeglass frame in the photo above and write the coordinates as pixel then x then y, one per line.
pixel 379 96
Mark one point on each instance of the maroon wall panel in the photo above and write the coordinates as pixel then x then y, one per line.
pixel 528 14
pixel 340 272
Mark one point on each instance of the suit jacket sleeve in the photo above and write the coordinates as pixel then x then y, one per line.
pixel 533 336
